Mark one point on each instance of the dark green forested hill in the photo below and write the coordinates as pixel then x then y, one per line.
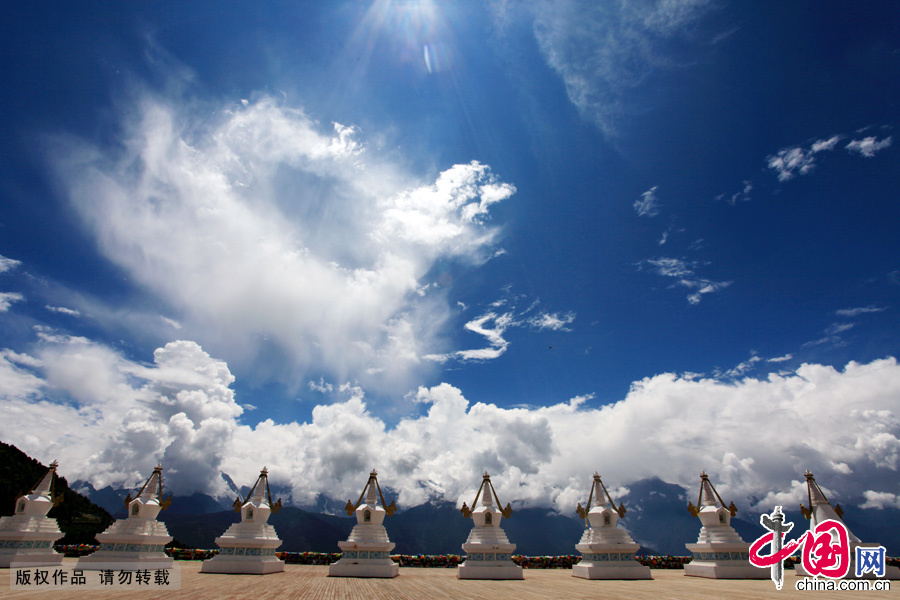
pixel 79 518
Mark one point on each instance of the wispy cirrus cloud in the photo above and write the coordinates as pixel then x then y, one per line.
pixel 779 359
pixel 832 337
pixel 648 204
pixel 860 310
pixel 63 310
pixel 741 196
pixel 685 272
pixel 552 321
pixel 7 264
pixel 869 146
pixel 493 325
pixel 8 298
pixel 604 51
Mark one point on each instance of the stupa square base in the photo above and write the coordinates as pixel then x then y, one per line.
pixel 611 570
pixel 723 560
pixel 124 561
pixel 19 560
pixel 488 570
pixel 378 568
pixel 247 565
pixel 725 570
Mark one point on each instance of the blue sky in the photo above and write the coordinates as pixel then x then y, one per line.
pixel 541 238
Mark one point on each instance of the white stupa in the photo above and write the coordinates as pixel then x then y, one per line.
pixel 249 546
pixel 488 551
pixel 139 541
pixel 819 510
pixel 26 537
pixel 607 551
pixel 367 552
pixel 719 553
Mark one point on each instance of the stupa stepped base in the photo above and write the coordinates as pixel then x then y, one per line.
pixel 246 548
pixel 16 554
pixel 365 559
pixel 141 557
pixel 27 541
pixel 364 563
pixel 147 552
pixel 610 563
pixel 723 561
pixel 248 561
pixel 484 561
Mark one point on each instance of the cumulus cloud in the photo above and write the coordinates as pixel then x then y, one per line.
pixel 648 204
pixel 869 146
pixel 685 272
pixel 841 424
pixel 880 500
pixel 245 217
pixel 604 51
pixel 7 298
pixel 109 419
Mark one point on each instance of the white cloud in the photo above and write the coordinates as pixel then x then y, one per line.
pixel 171 322
pixel 869 146
pixel 778 359
pixel 552 321
pixel 63 310
pixel 181 410
pixel 321 386
pixel 880 500
pixel 490 325
pixel 109 420
pixel 7 298
pixel 741 196
pixel 493 326
pixel 672 267
pixel 837 328
pixel 648 204
pixel 298 238
pixel 860 310
pixel 18 383
pixel 788 162
pixel 684 271
pixel 741 369
pixel 822 145
pixel 7 264
pixel 604 51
